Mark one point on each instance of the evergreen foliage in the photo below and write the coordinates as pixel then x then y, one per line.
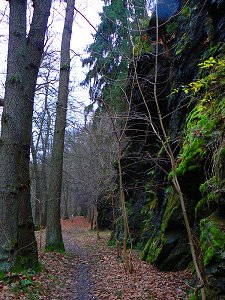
pixel 111 52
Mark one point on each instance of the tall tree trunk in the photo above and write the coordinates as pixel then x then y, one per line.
pixel 37 200
pixel 44 190
pixel 18 245
pixel 33 54
pixel 11 144
pixel 40 176
pixel 53 227
pixel 96 221
pixel 66 201
pixel 45 145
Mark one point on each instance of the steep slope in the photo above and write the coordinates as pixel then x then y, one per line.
pixel 190 93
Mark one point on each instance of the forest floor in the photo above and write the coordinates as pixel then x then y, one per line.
pixel 90 269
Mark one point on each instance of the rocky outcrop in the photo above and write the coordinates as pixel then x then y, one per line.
pixel 190 92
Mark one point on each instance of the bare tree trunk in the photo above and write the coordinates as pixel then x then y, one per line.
pixel 45 142
pixel 37 200
pixel 53 227
pixel 18 245
pixel 123 206
pixel 39 169
pixel 92 214
pixel 44 192
pixel 95 220
pixel 34 51
pixel 97 226
pixel 115 220
pixel 66 200
pixel 11 139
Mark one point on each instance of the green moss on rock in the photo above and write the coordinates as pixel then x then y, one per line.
pixel 212 240
pixel 205 123
pixel 212 191
pixel 154 245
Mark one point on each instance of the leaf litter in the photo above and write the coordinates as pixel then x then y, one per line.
pixel 89 270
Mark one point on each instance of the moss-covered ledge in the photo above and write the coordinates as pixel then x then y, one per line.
pixel 212 241
pixel 155 244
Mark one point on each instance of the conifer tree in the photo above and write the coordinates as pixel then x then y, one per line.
pixel 110 53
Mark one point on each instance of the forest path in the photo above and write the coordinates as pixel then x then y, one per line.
pixel 90 269
pixel 79 229
pixel 98 274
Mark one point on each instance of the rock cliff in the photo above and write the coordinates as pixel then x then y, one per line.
pixel 190 94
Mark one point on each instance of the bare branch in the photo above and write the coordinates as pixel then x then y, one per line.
pixel 90 23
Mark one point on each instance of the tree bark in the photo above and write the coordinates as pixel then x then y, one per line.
pixel 37 200
pixel 66 201
pixel 18 248
pixel 53 227
pixel 45 145
pixel 40 198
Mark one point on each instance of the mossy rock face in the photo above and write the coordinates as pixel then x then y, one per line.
pixel 213 191
pixel 167 245
pixel 194 119
pixel 153 225
pixel 212 242
pixel 202 133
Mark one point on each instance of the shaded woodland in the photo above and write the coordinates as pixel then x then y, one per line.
pixel 145 163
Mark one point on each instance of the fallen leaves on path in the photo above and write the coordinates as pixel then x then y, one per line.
pixel 111 281
pixel 91 270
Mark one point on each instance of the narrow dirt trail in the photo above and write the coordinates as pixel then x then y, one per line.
pixel 98 274
pixel 82 285
pixel 91 270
